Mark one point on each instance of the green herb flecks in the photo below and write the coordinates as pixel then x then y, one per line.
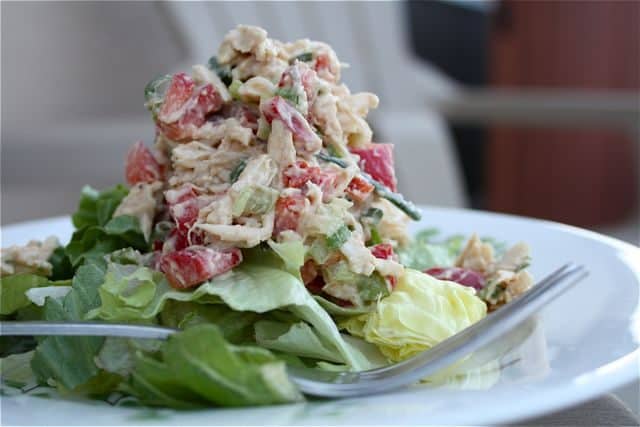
pixel 338 237
pixel 303 57
pixel 237 171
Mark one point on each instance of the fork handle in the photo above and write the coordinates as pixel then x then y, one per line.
pixel 38 328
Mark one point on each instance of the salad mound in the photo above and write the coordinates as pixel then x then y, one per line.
pixel 267 225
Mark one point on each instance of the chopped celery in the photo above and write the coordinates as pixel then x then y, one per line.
pixel 338 237
pixel 375 238
pixel 237 170
pixel 256 200
pixel 318 251
pixel 234 87
pixel 369 287
pixel 264 129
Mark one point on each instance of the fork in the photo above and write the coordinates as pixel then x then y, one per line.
pixel 497 326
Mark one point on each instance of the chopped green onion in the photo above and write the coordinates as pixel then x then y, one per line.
pixel 337 239
pixel 304 57
pixel 237 170
pixel 395 198
pixel 332 159
pixel 152 97
pixel 373 215
pixel 223 71
pixel 290 94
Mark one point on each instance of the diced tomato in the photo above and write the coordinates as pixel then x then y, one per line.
pixel 298 174
pixel 359 189
pixel 382 251
pixel 186 106
pixel 177 95
pixel 385 251
pixel 278 108
pixel 324 67
pixel 177 195
pixel 377 161
pixel 462 276
pixel 189 267
pixel 299 74
pixel 288 211
pixel 185 213
pixel 141 166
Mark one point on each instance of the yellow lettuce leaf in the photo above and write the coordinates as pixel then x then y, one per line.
pixel 420 312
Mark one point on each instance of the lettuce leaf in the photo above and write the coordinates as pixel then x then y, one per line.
pixel 91 244
pixel 69 361
pixel 13 291
pixel 235 326
pixel 301 340
pixel 16 371
pixel 424 251
pixel 198 365
pixel 260 285
pixel 421 312
pixel 96 208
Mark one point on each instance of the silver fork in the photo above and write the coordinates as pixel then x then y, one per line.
pixel 496 326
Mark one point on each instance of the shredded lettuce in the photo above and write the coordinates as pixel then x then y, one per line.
pixel 421 312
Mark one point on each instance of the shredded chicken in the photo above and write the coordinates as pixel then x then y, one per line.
pixel 141 202
pixel 477 256
pixel 30 258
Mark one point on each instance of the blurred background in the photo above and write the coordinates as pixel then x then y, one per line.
pixel 525 107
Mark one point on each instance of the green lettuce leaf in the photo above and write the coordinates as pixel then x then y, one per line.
pixel 70 361
pixel 260 284
pixel 198 365
pixel 421 312
pixel 91 244
pixel 235 326
pixel 97 207
pixel 16 372
pixel 13 291
pixel 425 251
pixel 301 340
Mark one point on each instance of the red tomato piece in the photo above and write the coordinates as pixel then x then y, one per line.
pixel 288 211
pixel 141 166
pixel 359 189
pixel 462 276
pixel 185 213
pixel 178 93
pixel 186 106
pixel 377 161
pixel 189 267
pixel 324 67
pixel 299 74
pixel 298 174
pixel 382 251
pixel 278 108
pixel 177 195
pixel 309 272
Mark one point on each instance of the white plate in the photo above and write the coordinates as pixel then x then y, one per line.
pixel 584 344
